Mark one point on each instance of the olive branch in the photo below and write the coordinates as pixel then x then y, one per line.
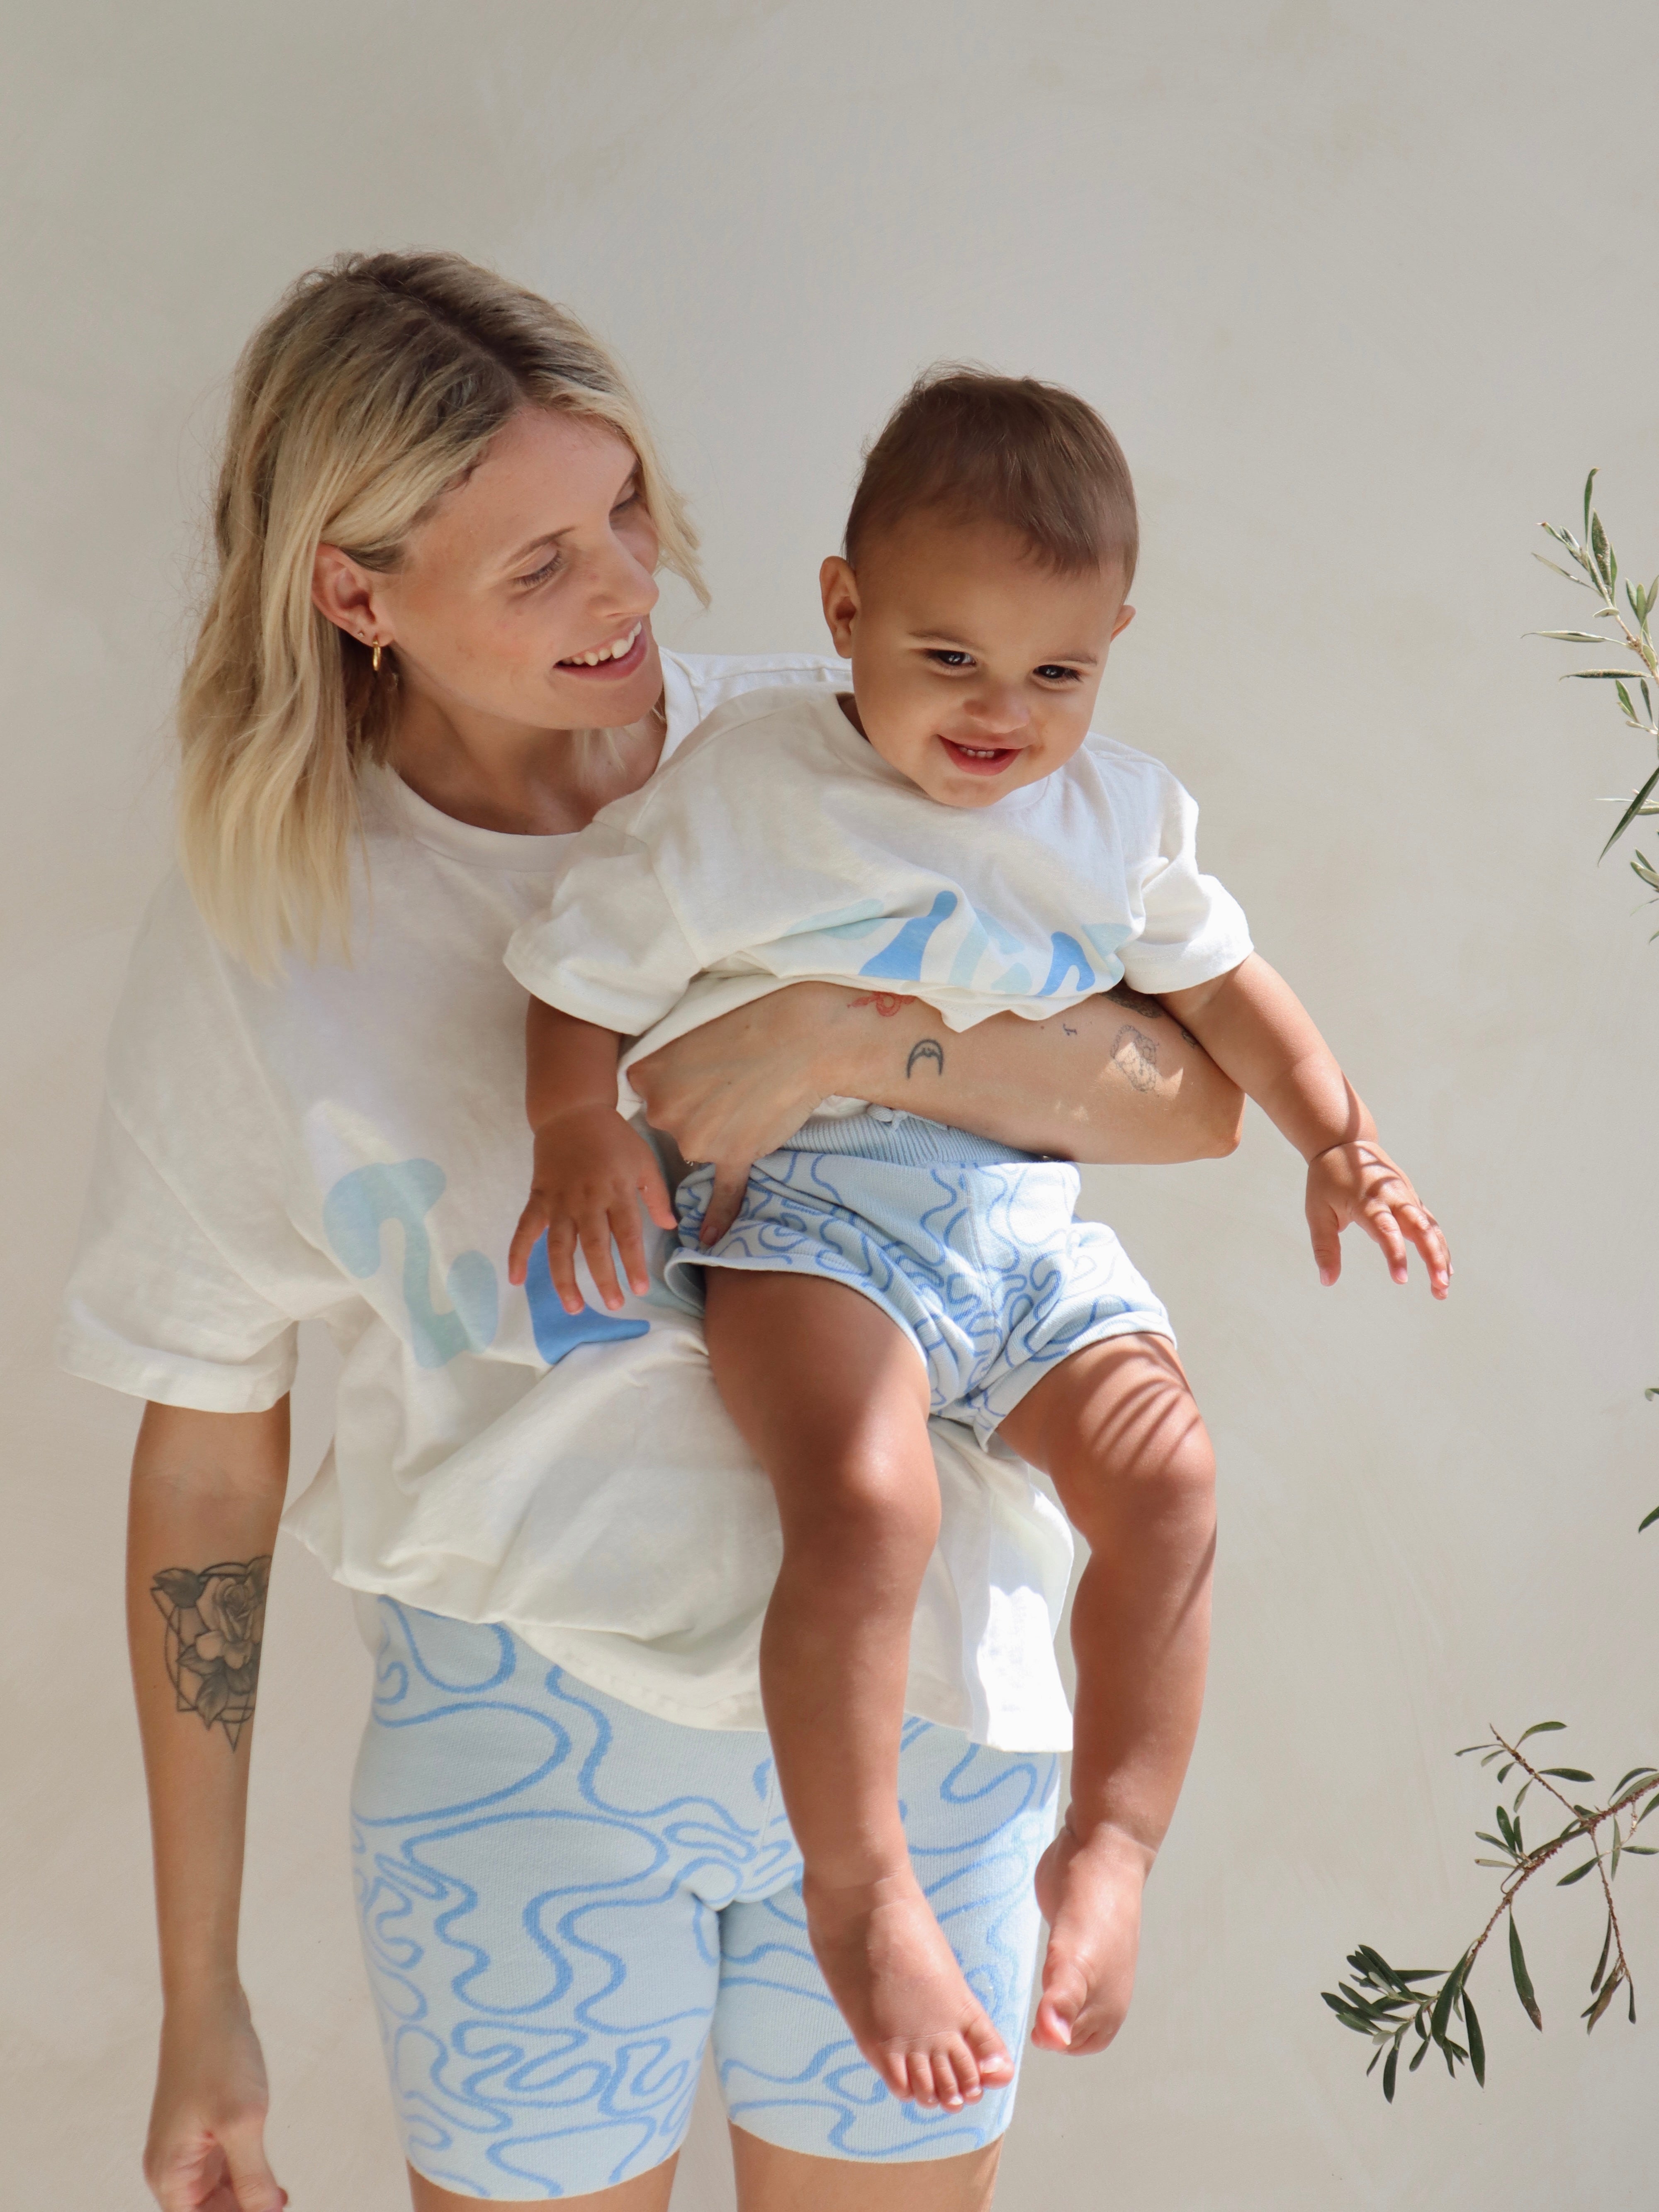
pixel 1386 2003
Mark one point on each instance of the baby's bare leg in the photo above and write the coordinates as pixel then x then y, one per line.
pixel 832 1399
pixel 1115 1428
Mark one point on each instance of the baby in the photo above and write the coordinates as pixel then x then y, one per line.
pixel 951 831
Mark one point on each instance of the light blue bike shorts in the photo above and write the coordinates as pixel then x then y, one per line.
pixel 972 1249
pixel 561 1897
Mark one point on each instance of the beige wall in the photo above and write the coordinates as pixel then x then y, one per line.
pixel 1364 290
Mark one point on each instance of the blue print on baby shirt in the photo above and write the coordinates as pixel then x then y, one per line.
pixel 901 958
pixel 559 1331
pixel 367 1200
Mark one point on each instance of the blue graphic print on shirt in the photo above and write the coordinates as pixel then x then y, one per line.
pixel 559 1331
pixel 368 1199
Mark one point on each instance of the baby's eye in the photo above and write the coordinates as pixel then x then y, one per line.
pixel 1051 671
pixel 948 657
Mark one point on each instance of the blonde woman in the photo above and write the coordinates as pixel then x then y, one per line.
pixel 428 657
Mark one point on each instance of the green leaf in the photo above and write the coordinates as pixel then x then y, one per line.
pixel 1419 2055
pixel 1643 1850
pixel 1390 2073
pixel 1631 714
pixel 1589 485
pixel 1555 565
pixel 1568 1773
pixel 1635 1775
pixel 1602 554
pixel 1539 1728
pixel 1630 813
pixel 1477 2041
pixel 1571 636
pixel 1577 1875
pixel 1594 2013
pixel 1593 676
pixel 1524 1987
pixel 1648 1519
pixel 1602 1963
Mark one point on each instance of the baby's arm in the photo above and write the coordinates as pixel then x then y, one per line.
pixel 591 1170
pixel 1257 1032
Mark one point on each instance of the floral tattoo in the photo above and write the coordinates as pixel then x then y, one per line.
pixel 216 1623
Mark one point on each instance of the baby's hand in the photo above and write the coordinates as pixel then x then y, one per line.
pixel 1359 1182
pixel 592 1170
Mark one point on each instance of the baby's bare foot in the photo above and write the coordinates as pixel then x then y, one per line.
pixel 903 1994
pixel 1091 1898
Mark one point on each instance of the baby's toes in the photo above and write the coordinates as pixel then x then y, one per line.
pixel 948 2086
pixel 988 2053
pixel 919 2068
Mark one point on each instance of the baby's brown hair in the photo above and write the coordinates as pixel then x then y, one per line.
pixel 1005 449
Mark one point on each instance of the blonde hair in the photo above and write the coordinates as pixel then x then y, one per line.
pixel 376 383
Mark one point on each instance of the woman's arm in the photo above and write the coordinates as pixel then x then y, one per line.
pixel 207 1490
pixel 1114 1080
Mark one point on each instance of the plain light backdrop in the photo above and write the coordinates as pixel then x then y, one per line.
pixel 1365 291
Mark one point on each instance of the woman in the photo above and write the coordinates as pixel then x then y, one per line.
pixel 428 656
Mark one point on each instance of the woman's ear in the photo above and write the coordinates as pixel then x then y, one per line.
pixel 840 589
pixel 345 593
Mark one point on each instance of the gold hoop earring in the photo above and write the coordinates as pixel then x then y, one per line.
pixel 375 661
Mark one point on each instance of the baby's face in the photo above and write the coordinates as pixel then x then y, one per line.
pixel 975 668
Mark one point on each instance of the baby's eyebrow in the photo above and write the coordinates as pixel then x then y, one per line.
pixel 955 644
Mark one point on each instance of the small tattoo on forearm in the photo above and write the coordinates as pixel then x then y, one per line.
pixel 1069 1030
pixel 885 1002
pixel 1135 1055
pixel 1151 1009
pixel 215 1625
pixel 929 1048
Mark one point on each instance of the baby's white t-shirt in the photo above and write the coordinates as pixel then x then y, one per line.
pixel 778 845
pixel 347 1144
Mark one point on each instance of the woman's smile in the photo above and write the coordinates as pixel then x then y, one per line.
pixel 613 657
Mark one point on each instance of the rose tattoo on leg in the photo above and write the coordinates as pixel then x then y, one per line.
pixel 216 1625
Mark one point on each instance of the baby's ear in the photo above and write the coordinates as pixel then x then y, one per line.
pixel 1125 617
pixel 839 588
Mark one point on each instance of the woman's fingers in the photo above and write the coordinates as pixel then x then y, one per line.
pixel 251 2177
pixel 723 1200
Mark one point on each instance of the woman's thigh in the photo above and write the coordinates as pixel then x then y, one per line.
pixel 977 1822
pixel 539 1871
pixel 558 1895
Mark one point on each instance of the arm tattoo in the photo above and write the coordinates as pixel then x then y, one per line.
pixel 929 1048
pixel 215 1625
pixel 1151 1009
pixel 1135 1055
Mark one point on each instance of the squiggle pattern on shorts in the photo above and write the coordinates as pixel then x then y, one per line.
pixel 560 1895
pixel 984 1267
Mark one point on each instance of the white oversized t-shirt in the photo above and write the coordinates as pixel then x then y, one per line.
pixel 348 1144
pixel 779 847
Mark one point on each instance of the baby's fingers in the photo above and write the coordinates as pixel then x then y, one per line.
pixel 630 1244
pixel 1325 1231
pixel 532 1222
pixel 1376 1217
pixel 594 1230
pixel 658 1204
pixel 562 1264
pixel 1424 1233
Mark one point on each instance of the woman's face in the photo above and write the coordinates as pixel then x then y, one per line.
pixel 525 598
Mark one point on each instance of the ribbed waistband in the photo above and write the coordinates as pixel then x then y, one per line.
pixel 902 1139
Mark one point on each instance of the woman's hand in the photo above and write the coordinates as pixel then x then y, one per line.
pixel 206 2150
pixel 592 1172
pixel 740 1086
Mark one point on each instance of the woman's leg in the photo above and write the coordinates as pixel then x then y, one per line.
pixel 770 2179
pixel 649 2192
pixel 832 1396
pixel 1115 1429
